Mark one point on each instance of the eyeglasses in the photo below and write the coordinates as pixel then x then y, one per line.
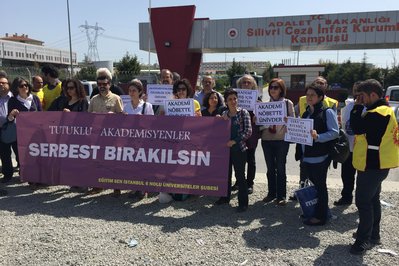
pixel 3 83
pixel 100 84
pixel 23 85
pixel 274 87
pixel 70 88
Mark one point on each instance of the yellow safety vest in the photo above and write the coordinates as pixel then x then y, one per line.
pixel 389 146
pixel 50 95
pixel 327 102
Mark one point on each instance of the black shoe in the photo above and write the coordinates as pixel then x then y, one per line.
pixel 342 202
pixel 6 180
pixel 268 199
pixel 359 248
pixel 375 241
pixel 250 190
pixel 3 192
pixel 242 208
pixel 222 200
pixel 234 187
pixel 139 195
pixel 313 223
pixel 293 198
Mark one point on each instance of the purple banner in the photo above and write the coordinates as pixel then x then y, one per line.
pixel 149 153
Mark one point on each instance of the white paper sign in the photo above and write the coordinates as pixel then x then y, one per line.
pixel 179 107
pixel 270 113
pixel 298 131
pixel 125 99
pixel 158 93
pixel 247 98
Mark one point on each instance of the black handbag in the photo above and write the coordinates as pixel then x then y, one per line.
pixel 9 132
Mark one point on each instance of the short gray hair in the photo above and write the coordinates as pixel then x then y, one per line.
pixel 104 72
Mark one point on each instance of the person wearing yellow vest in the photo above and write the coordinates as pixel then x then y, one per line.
pixel 53 87
pixel 327 101
pixel 375 151
pixel 37 88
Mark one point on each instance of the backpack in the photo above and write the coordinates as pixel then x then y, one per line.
pixel 339 147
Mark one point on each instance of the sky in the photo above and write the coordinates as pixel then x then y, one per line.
pixel 47 20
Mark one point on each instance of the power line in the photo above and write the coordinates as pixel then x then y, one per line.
pixel 118 38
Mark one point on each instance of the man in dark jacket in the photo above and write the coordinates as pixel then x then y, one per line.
pixel 376 150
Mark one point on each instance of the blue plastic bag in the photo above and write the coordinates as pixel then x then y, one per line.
pixel 307 198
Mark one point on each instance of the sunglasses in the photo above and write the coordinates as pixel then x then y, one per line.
pixel 23 86
pixel 100 84
pixel 274 87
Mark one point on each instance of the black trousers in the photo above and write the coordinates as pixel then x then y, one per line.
pixel 368 189
pixel 5 156
pixel 348 173
pixel 251 167
pixel 318 175
pixel 238 160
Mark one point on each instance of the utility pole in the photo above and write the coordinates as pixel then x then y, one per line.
pixel 70 41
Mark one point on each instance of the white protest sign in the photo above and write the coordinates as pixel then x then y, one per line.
pixel 179 107
pixel 125 99
pixel 247 98
pixel 158 93
pixel 270 113
pixel 298 131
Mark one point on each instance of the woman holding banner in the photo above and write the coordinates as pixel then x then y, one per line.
pixel 73 98
pixel 212 103
pixel 241 130
pixel 137 106
pixel 23 101
pixel 315 158
pixel 275 149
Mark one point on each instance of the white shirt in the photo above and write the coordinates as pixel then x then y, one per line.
pixel 128 108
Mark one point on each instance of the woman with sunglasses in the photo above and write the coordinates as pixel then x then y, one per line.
pixel 23 101
pixel 248 82
pixel 73 98
pixel 275 149
pixel 182 90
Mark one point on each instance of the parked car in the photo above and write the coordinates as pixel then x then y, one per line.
pixel 392 97
pixel 89 87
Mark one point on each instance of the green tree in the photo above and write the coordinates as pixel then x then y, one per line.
pixel 268 73
pixel 235 69
pixel 87 72
pixel 127 68
pixel 221 83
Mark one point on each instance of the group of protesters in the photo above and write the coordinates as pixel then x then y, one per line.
pixel 367 120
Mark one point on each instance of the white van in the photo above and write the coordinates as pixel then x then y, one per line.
pixel 89 87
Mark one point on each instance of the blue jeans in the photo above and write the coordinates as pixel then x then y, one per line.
pixel 368 189
pixel 275 152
